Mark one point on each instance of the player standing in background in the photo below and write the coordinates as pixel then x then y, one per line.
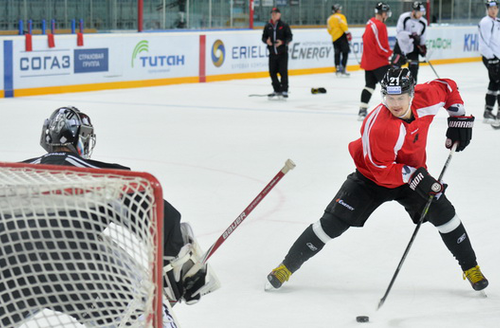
pixel 376 54
pixel 338 29
pixel 390 160
pixel 411 31
pixel 277 35
pixel 489 47
pixel 68 137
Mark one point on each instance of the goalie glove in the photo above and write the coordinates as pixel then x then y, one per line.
pixel 185 277
pixel 459 131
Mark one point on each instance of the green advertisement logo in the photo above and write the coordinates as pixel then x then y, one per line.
pixel 140 47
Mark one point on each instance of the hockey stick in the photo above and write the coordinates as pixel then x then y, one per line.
pixel 430 64
pixel 420 221
pixel 259 95
pixel 289 165
pixel 355 56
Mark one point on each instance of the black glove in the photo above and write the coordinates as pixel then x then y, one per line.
pixel 424 184
pixel 459 130
pixel 422 49
pixel 193 284
pixel 493 65
pixel 398 60
pixel 318 90
pixel 416 38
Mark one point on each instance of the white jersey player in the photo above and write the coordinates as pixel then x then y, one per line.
pixel 411 35
pixel 489 47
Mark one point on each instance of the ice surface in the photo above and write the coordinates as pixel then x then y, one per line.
pixel 214 148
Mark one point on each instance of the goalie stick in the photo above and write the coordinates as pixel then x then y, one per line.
pixel 289 165
pixel 417 228
pixel 191 276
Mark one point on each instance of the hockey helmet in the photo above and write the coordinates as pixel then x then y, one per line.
pixel 383 7
pixel 491 3
pixel 397 81
pixel 418 6
pixel 336 7
pixel 68 127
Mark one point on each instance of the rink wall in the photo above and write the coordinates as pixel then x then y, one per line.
pixel 114 61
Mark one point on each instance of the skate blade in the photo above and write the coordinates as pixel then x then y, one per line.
pixel 496 125
pixel 482 293
pixel 268 287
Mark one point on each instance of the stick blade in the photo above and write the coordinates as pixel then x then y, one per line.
pixel 382 301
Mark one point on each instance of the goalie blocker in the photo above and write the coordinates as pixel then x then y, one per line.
pixel 186 278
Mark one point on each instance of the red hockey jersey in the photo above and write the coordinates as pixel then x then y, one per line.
pixel 376 50
pixel 388 143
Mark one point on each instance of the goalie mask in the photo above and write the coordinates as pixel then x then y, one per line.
pixel 68 127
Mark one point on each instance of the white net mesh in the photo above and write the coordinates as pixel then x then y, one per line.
pixel 78 248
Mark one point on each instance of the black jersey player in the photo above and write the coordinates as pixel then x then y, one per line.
pixel 68 137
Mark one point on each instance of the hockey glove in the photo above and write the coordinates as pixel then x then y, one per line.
pixel 349 36
pixel 423 50
pixel 398 60
pixel 192 286
pixel 460 131
pixel 424 184
pixel 416 38
pixel 318 90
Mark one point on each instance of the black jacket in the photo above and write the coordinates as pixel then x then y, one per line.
pixel 71 159
pixel 172 236
pixel 280 31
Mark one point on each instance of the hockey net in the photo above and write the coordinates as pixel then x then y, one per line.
pixel 79 247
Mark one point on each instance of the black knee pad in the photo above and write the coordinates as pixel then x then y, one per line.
pixel 332 225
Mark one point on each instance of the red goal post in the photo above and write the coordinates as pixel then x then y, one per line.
pixel 80 246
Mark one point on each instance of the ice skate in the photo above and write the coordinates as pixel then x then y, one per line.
pixel 362 114
pixel 488 117
pixel 343 72
pixel 275 96
pixel 337 70
pixel 496 123
pixel 277 277
pixel 476 278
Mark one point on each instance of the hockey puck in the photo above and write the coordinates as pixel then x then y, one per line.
pixel 362 318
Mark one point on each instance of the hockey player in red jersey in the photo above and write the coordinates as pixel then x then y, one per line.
pixel 376 54
pixel 390 161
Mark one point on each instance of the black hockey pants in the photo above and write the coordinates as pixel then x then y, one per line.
pixel 355 202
